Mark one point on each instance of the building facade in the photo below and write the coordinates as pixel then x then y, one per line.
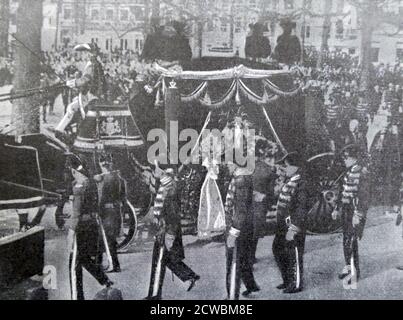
pixel 216 27
pixel 111 24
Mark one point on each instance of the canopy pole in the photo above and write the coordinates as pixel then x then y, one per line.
pixel 172 101
pixel 198 140
pixel 283 149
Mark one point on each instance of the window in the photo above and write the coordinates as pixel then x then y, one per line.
pixel 238 25
pixel 288 4
pixel 67 14
pixel 306 30
pixel 94 14
pixel 374 54
pixel 308 4
pixel 224 27
pixel 109 14
pixel 210 26
pixel 252 4
pixel 399 55
pixel 340 6
pixel 124 44
pixel 124 15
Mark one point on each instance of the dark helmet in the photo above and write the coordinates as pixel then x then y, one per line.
pixel 77 164
pixel 293 158
pixel 353 150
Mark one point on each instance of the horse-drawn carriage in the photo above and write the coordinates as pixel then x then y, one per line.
pixel 212 90
pixel 215 89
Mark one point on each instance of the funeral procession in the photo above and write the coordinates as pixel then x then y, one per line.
pixel 201 150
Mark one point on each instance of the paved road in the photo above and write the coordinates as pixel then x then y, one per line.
pixel 381 250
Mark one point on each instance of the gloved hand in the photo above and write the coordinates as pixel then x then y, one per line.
pixel 356 220
pixel 335 214
pixel 231 241
pixel 71 83
pixel 169 241
pixel 148 89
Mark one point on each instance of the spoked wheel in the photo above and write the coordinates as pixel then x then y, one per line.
pixel 324 174
pixel 128 227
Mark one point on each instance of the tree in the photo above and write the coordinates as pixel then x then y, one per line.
pixel 372 14
pixel 4 26
pixel 156 11
pixel 27 73
pixel 327 22
pixel 58 13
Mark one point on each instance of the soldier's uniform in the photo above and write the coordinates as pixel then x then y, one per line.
pixel 87 239
pixel 112 193
pixel 291 215
pixel 354 201
pixel 166 210
pixel 91 85
pixel 240 224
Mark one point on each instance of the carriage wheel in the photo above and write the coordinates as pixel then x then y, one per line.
pixel 324 190
pixel 128 227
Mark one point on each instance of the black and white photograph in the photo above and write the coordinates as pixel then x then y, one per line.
pixel 201 150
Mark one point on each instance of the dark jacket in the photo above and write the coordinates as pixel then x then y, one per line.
pixel 85 204
pixel 240 214
pixel 292 203
pixel 288 49
pixel 172 217
pixel 257 46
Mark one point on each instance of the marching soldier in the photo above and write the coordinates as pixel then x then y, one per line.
pixel 289 241
pixel 112 192
pixel 168 249
pixel 91 86
pixel 353 206
pixel 240 234
pixel 84 233
pixel 264 179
